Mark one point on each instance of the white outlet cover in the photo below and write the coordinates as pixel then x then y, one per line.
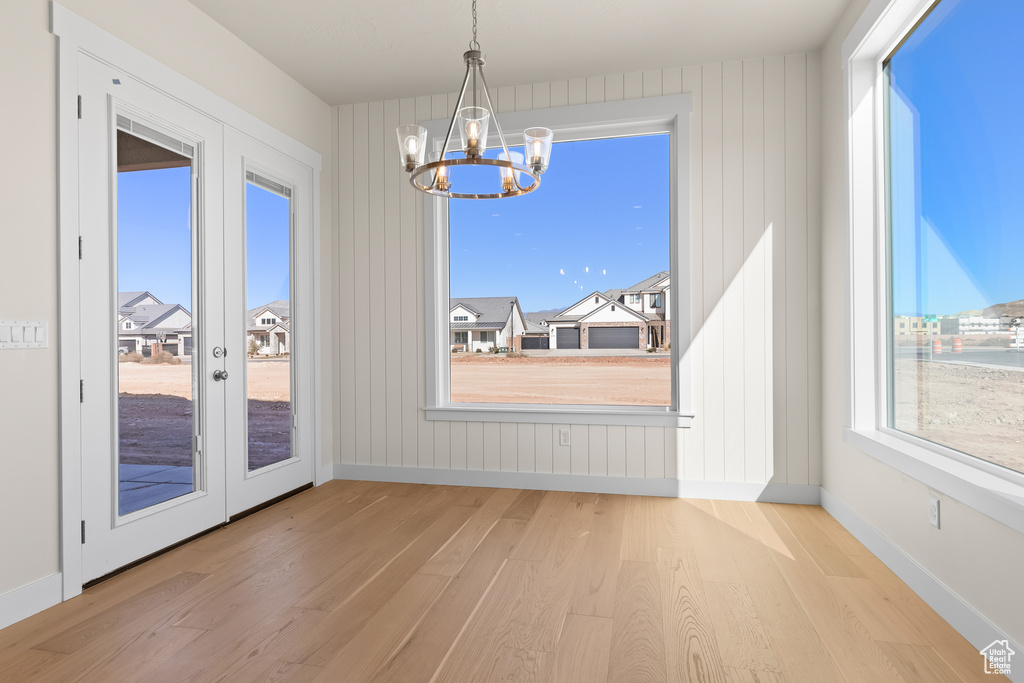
pixel 933 511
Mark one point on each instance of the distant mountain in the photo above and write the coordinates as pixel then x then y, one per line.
pixel 1013 309
pixel 967 314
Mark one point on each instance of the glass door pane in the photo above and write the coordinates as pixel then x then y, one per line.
pixel 156 385
pixel 268 320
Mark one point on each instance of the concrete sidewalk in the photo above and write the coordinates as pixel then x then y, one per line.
pixel 140 486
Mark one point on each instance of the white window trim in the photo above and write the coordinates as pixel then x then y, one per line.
pixel 669 114
pixel 990 489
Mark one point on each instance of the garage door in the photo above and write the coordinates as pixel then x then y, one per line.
pixel 535 343
pixel 614 337
pixel 568 338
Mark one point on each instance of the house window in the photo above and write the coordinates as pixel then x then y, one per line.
pixel 265 341
pixel 461 318
pixel 461 338
pixel 655 300
pixel 633 299
pixel 486 337
pixel 524 256
pixel 954 238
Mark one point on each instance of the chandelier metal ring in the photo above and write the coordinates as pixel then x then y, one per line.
pixel 518 190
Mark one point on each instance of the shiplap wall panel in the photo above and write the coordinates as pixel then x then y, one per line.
pixel 733 304
pixel 814 342
pixel 714 277
pixel 775 222
pixel 754 241
pixel 392 285
pixel 372 332
pixel 693 464
pixel 345 420
pixel 796 320
pixel 410 289
pixel 756 359
pixel 426 107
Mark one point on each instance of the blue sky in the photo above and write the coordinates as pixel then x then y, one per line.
pixel 599 220
pixel 154 238
pixel 958 238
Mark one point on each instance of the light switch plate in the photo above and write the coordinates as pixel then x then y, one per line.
pixel 24 334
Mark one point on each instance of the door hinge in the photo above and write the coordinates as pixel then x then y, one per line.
pixel 83 532
pixel 295 421
pixel 199 444
pixel 79 248
pixel 79 106
pixel 81 391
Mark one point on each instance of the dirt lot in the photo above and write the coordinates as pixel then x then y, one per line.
pixel 977 410
pixel 156 413
pixel 605 380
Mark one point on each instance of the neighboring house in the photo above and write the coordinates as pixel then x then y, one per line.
pixel 145 324
pixel 480 323
pixel 632 318
pixel 270 327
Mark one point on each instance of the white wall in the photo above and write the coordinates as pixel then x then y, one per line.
pixel 182 37
pixel 754 288
pixel 976 557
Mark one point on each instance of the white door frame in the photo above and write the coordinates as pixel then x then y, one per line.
pixel 74 36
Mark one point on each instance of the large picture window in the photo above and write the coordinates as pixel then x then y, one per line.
pixel 570 294
pixel 954 92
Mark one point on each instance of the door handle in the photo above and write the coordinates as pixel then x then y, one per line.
pixel 220 375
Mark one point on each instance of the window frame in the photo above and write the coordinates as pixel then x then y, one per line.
pixel 654 115
pixel 993 490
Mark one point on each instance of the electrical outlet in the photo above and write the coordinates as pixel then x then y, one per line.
pixel 933 511
pixel 563 437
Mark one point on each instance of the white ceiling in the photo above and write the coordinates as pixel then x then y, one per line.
pixel 348 51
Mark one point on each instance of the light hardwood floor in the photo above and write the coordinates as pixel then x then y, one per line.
pixel 360 581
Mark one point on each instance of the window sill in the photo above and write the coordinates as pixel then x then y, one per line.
pixel 583 415
pixel 1000 498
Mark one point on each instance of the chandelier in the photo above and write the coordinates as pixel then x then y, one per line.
pixel 473 120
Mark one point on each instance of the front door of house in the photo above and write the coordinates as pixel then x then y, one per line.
pixel 196 391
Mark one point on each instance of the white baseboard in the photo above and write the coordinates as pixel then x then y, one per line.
pixel 23 602
pixel 966 620
pixel 669 488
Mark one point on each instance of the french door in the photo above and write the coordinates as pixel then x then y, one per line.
pixel 184 421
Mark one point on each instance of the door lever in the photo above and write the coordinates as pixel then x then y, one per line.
pixel 220 375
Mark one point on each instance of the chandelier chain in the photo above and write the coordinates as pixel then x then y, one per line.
pixel 473 44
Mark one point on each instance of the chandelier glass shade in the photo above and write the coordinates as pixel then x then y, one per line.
pixel 517 173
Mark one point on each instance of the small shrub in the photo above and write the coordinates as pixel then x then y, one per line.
pixel 162 358
pixel 651 349
pixel 668 347
pixel 515 354
pixel 493 349
pixel 133 357
pixel 478 351
pixel 253 347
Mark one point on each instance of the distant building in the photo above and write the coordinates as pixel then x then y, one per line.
pixel 270 327
pixel 145 323
pixel 916 324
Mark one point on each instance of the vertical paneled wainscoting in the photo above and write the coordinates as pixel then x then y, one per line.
pixel 754 291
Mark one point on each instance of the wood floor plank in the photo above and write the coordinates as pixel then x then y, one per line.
pixel 387 631
pixel 921 664
pixel 711 542
pixel 583 650
pixel 691 650
pixel 120 662
pixel 743 640
pixel 430 641
pixel 594 592
pixel 882 619
pixel 536 623
pixel 521 666
pixel 525 505
pixel 451 558
pixel 639 538
pixel 121 614
pixel 345 621
pixel 638 631
pixel 267 670
pixel 734 675
pixel 541 527
pixel 795 640
pixel 822 547
pixel 480 645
